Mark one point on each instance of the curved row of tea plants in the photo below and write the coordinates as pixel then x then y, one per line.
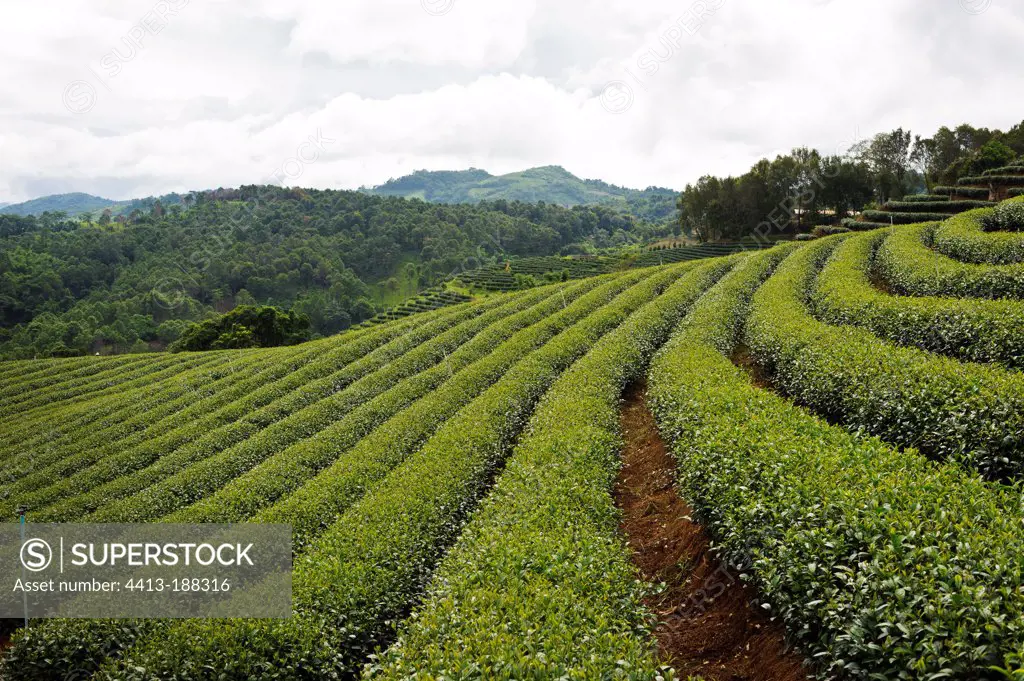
pixel 544 547
pixel 318 504
pixel 943 205
pixel 289 469
pixel 908 265
pixel 368 568
pixel 107 476
pixel 893 218
pixel 969 329
pixel 970 413
pixel 883 564
pixel 121 421
pixel 965 238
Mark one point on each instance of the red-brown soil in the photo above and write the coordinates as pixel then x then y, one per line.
pixel 707 625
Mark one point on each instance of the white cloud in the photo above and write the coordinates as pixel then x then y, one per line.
pixel 225 92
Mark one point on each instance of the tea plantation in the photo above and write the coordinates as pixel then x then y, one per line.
pixel 846 415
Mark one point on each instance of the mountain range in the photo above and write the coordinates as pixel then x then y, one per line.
pixel 548 184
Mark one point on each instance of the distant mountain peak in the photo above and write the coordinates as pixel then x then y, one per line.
pixel 550 184
pixel 72 203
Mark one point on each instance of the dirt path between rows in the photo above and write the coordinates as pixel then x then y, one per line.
pixel 707 625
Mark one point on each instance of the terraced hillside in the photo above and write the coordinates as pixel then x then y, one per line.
pixel 509 276
pixel 430 299
pixel 970 193
pixel 845 418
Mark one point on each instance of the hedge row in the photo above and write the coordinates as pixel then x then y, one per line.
pixel 1002 180
pixel 861 226
pixel 137 375
pixel 969 413
pixel 882 564
pixel 927 197
pixel 306 509
pixel 940 206
pixel 289 469
pixel 964 238
pixel 909 266
pixel 174 485
pixel 1006 170
pixel 968 329
pixel 117 422
pixel 891 218
pixel 980 193
pixel 541 566
pixel 367 569
pixel 127 472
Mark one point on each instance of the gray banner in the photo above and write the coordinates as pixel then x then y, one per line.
pixel 145 570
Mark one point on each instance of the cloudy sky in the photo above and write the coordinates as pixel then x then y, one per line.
pixel 130 98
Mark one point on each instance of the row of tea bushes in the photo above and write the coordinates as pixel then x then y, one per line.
pixel 541 568
pixel 367 569
pixel 907 265
pixel 965 238
pixel 969 413
pixel 882 564
pixel 972 330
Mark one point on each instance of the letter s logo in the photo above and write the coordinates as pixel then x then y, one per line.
pixel 36 555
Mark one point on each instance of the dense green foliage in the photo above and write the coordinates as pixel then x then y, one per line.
pixel 969 413
pixel 246 326
pixel 907 265
pixel 969 329
pixel 555 493
pixel 967 238
pixel 882 564
pixel 550 184
pixel 71 288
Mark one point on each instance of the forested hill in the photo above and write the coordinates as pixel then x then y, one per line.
pixel 136 281
pixel 75 203
pixel 550 184
pixel 78 204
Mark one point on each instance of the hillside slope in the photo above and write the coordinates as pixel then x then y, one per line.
pixel 75 203
pixel 550 184
pixel 845 415
pixel 339 257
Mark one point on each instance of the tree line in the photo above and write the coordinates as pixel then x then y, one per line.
pixel 802 189
pixel 138 281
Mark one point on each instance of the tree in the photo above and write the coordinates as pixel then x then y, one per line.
pixel 888 156
pixel 246 326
